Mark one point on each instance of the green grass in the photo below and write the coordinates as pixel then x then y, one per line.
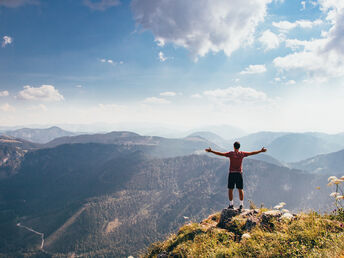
pixel 308 235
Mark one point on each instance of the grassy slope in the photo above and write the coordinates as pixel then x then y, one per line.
pixel 307 235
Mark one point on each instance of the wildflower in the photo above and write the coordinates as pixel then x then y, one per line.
pixel 285 211
pixel 342 178
pixel 318 187
pixel 337 181
pixel 334 194
pixel 340 197
pixel 185 217
pixel 287 216
pixel 282 204
pixel 246 236
pixel 331 178
pixel 278 207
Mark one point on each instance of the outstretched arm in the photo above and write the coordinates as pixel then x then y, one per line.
pixel 215 152
pixel 256 152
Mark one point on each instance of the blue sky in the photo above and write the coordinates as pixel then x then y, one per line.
pixel 261 65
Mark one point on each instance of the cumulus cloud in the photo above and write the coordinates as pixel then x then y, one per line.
pixel 7 108
pixel 290 82
pixel 306 24
pixel 16 3
pixel 322 57
pixel 269 40
pixel 253 69
pixel 4 93
pixel 201 26
pixel 155 100
pixel 236 95
pixel 44 93
pixel 101 5
pixel 162 57
pixel 168 94
pixel 6 41
pixel 196 96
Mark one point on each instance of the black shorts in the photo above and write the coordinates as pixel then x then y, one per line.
pixel 235 179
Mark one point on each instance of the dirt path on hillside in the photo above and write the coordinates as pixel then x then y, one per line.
pixel 58 233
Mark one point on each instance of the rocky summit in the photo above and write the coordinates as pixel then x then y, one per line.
pixel 256 233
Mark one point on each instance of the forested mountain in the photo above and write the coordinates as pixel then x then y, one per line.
pixel 39 135
pixel 328 164
pixel 293 147
pixel 12 151
pixel 162 147
pixel 103 199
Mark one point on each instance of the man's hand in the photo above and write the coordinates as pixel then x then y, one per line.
pixel 208 150
pixel 263 150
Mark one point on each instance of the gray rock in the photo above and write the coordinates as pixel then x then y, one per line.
pixel 226 216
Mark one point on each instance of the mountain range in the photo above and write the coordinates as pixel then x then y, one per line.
pixel 113 194
pixel 39 135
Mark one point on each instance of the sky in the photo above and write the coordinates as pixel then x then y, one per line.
pixel 269 65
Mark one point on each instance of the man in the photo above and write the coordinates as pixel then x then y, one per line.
pixel 235 171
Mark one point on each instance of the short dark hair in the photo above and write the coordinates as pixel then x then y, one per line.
pixel 236 145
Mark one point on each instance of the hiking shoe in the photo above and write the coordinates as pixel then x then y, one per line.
pixel 241 208
pixel 230 207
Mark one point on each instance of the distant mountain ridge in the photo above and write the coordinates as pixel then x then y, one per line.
pixel 39 135
pixel 293 147
pixel 325 164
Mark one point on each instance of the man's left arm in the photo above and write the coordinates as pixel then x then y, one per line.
pixel 255 152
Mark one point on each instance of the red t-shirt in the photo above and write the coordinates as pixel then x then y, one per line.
pixel 236 160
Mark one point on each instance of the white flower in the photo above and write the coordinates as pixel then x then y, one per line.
pixel 334 194
pixel 337 181
pixel 331 178
pixel 282 203
pixel 278 207
pixel 246 236
pixel 285 211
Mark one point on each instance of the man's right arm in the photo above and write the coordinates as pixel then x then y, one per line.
pixel 216 152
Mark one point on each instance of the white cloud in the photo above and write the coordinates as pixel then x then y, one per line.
pixel 322 57
pixel 7 108
pixel 253 69
pixel 78 86
pixel 303 5
pixel 277 79
pixel 306 24
pixel 201 26
pixel 4 93
pixel 39 107
pixel 236 95
pixel 6 41
pixel 110 61
pixel 16 3
pixel 44 93
pixel 290 82
pixel 101 5
pixel 269 40
pixel 155 100
pixel 162 57
pixel 168 94
pixel 196 96
pixel 110 107
pixel 103 60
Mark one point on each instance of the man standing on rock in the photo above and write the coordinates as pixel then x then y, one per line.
pixel 235 171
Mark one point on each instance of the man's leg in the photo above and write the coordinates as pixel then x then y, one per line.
pixel 230 194
pixel 241 194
